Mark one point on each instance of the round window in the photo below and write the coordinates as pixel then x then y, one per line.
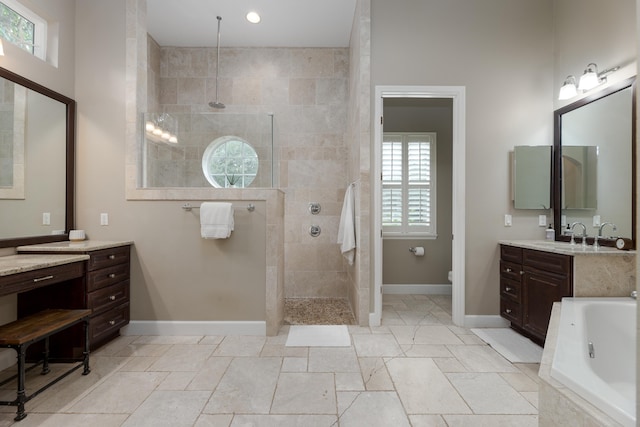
pixel 230 161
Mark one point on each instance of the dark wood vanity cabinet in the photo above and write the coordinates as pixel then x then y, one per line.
pixel 530 282
pixel 107 290
pixel 104 288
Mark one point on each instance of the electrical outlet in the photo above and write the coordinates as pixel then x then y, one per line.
pixel 542 220
pixel 46 218
pixel 104 219
pixel 507 220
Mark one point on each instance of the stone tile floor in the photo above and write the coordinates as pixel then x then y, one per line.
pixel 417 369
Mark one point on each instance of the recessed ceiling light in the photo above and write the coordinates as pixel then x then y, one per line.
pixel 253 17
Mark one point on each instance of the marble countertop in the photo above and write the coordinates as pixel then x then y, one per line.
pixel 81 246
pixel 14 264
pixel 565 248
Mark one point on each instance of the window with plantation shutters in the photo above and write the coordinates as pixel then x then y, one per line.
pixel 408 184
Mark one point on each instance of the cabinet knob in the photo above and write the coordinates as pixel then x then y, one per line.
pixel 112 322
pixel 112 256
pixel 112 297
pixel 112 275
pixel 521 272
pixel 508 311
pixel 508 289
pixel 508 270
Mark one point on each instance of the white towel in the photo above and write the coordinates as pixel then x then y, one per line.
pixel 216 220
pixel 347 228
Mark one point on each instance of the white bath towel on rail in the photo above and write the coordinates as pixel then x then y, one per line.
pixel 347 228
pixel 216 220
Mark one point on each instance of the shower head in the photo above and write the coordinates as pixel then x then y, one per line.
pixel 216 103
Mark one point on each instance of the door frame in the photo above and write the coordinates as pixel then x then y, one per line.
pixel 457 95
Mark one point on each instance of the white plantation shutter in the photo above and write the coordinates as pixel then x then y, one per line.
pixel 408 184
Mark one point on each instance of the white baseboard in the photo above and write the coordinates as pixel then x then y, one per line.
pixel 473 321
pixel 417 289
pixel 167 327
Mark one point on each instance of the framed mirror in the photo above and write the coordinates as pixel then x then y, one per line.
pixel 37 145
pixel 594 165
pixel 532 177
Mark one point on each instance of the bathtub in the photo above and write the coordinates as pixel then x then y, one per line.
pixel 596 354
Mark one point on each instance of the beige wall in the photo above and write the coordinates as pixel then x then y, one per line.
pixel 585 31
pixel 449 43
pixel 505 62
pixel 176 275
pixel 399 266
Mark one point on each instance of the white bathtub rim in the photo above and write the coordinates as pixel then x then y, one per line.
pixel 624 413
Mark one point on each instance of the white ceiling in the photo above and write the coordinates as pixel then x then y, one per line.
pixel 285 23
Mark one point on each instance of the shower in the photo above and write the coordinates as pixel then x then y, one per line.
pixel 217 104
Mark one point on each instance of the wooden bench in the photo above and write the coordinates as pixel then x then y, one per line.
pixel 23 332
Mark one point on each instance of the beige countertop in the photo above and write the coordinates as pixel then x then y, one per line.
pixel 80 246
pixel 565 248
pixel 14 264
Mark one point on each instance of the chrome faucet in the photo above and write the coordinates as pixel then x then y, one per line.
pixel 634 294
pixel 613 227
pixel 595 240
pixel 584 233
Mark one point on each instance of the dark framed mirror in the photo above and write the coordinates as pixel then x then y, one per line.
pixel 594 166
pixel 37 150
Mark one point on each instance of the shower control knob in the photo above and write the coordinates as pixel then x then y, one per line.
pixel 315 230
pixel 314 208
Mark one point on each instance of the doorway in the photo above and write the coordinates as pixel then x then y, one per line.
pixel 455 97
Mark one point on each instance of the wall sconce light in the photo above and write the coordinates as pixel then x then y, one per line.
pixel 589 80
pixel 161 127
pixel 592 78
pixel 568 89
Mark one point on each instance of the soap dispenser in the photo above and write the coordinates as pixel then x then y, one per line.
pixel 550 232
pixel 568 231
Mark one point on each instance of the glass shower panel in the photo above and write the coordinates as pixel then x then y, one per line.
pixel 178 162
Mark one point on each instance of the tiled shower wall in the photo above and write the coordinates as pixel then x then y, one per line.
pixel 307 90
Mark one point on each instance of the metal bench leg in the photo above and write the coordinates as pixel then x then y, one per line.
pixel 22 397
pixel 45 362
pixel 85 354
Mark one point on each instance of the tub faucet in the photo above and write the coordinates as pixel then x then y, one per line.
pixel 584 233
pixel 634 294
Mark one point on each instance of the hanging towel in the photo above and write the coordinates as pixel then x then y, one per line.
pixel 216 220
pixel 347 228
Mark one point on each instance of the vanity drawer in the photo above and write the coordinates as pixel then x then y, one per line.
pixel 547 262
pixel 511 289
pixel 108 257
pixel 510 270
pixel 511 253
pixel 107 276
pixel 106 298
pixel 107 323
pixel 511 310
pixel 22 282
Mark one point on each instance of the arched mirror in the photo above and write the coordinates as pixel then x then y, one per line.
pixel 37 138
pixel 594 165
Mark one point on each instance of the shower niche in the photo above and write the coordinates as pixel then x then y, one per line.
pixel 196 150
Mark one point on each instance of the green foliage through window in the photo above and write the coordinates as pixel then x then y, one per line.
pixel 17 29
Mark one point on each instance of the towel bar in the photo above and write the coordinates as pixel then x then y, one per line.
pixel 250 207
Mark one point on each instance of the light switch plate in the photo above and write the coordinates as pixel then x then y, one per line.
pixel 46 218
pixel 104 219
pixel 542 220
pixel 507 220
pixel 596 220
